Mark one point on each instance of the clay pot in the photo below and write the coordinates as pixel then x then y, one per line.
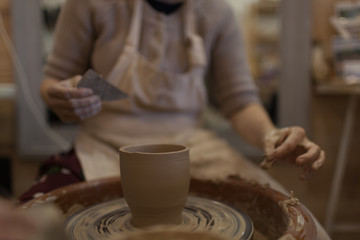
pixel 260 203
pixel 155 182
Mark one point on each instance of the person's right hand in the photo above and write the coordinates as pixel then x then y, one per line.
pixel 72 104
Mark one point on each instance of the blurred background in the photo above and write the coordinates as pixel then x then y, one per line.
pixel 304 56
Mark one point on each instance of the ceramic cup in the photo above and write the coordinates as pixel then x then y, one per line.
pixel 155 180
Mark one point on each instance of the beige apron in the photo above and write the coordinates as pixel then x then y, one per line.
pixel 162 107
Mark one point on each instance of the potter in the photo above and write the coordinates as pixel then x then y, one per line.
pixel 155 181
pixel 170 64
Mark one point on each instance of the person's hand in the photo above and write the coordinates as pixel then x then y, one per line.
pixel 292 145
pixel 42 222
pixel 15 225
pixel 72 104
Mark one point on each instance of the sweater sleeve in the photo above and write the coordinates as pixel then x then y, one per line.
pixel 73 41
pixel 231 84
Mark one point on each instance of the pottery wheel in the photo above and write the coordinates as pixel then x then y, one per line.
pixel 109 219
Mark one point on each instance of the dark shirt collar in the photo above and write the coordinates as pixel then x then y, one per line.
pixel 166 8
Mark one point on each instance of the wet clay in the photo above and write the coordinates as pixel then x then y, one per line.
pixel 200 214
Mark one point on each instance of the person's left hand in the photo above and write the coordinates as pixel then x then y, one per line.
pixel 43 222
pixel 15 225
pixel 291 145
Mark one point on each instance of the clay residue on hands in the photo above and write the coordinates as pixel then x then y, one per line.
pixel 272 140
pixel 267 162
pixel 292 201
pixel 279 137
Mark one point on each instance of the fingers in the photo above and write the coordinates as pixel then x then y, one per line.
pixel 84 102
pixel 314 157
pixel 60 91
pixel 312 160
pixel 312 153
pixel 72 104
pixel 291 145
pixel 67 89
pixel 293 136
pixel 76 109
pixel 274 139
pixel 87 112
pixel 80 113
pixel 284 133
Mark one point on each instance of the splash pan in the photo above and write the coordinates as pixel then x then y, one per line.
pixel 271 220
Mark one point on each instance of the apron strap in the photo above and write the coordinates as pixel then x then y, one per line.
pixel 195 44
pixel 189 20
pixel 196 50
pixel 133 38
pixel 131 44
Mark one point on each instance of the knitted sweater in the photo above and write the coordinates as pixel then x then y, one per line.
pixel 91 34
